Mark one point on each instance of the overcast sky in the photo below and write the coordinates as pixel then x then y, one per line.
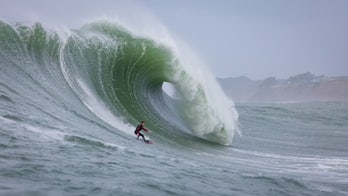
pixel 254 38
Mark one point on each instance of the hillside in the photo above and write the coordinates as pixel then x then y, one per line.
pixel 302 87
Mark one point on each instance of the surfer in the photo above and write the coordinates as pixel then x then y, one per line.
pixel 138 129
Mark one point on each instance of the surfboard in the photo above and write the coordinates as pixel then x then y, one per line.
pixel 149 142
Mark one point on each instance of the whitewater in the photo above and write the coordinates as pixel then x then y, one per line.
pixel 70 101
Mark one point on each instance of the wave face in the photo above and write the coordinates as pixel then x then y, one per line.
pixel 119 79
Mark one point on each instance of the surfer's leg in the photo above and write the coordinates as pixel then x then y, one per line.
pixel 135 132
pixel 141 136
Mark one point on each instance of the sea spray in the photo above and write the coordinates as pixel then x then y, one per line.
pixel 205 107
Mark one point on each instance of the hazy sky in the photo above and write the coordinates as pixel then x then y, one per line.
pixel 255 38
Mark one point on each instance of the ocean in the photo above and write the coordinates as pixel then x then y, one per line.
pixel 70 101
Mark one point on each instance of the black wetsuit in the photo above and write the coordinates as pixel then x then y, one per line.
pixel 137 131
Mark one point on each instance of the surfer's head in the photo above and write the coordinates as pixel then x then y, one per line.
pixel 142 122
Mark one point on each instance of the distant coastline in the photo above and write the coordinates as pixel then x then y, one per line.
pixel 301 87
